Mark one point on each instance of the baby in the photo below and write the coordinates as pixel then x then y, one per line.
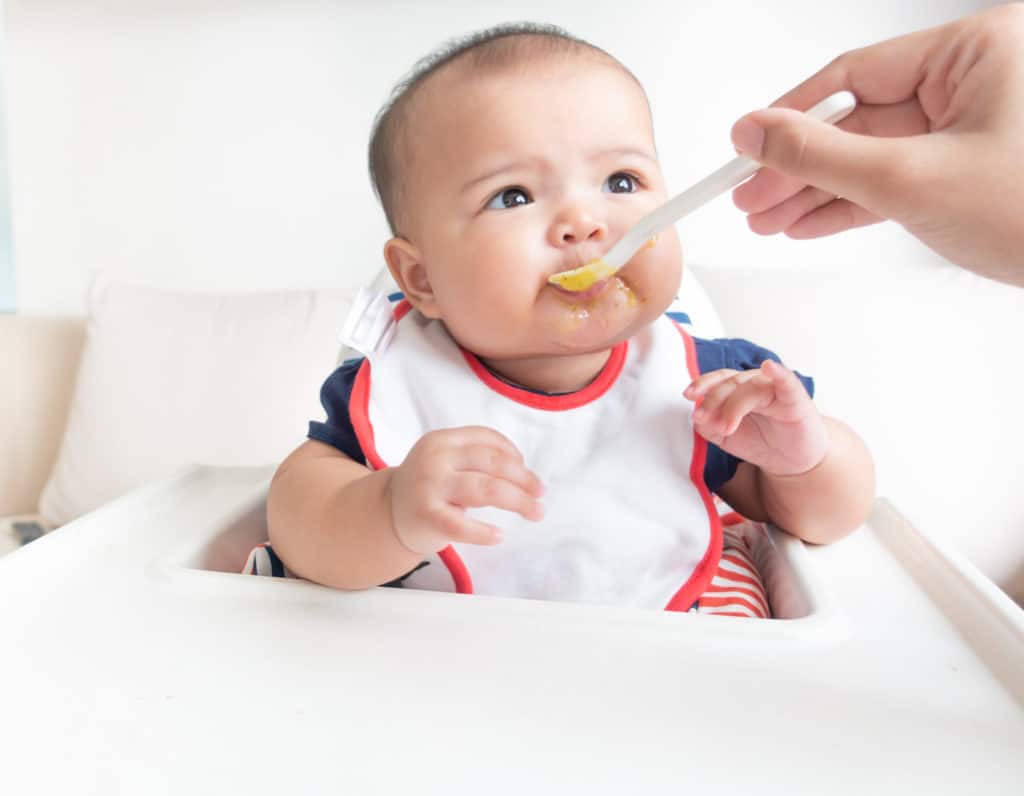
pixel 509 437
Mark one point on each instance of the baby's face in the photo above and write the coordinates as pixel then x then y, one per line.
pixel 515 176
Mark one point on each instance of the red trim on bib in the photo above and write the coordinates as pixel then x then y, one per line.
pixel 401 308
pixel 359 414
pixel 457 569
pixel 359 401
pixel 554 403
pixel 700 579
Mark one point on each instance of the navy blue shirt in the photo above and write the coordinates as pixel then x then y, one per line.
pixel 719 468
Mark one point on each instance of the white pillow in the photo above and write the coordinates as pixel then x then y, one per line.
pixel 170 378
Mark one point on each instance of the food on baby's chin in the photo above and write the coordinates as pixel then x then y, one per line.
pixel 620 296
pixel 575 318
pixel 579 279
pixel 602 310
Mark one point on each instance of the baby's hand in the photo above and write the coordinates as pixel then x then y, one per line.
pixel 451 470
pixel 762 416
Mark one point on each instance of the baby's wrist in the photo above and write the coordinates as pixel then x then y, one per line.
pixel 800 472
pixel 413 541
pixel 389 512
pixel 814 462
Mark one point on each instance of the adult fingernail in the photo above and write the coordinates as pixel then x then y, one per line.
pixel 748 137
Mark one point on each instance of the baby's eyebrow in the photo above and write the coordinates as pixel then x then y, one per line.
pixel 629 152
pixel 515 166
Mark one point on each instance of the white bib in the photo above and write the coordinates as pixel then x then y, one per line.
pixel 628 518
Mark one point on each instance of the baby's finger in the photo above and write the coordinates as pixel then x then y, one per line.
pixel 705 381
pixel 497 462
pixel 752 396
pixel 457 527
pixel 709 405
pixel 472 490
pixel 788 388
pixel 707 417
pixel 482 435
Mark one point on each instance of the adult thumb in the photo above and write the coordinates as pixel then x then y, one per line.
pixel 864 169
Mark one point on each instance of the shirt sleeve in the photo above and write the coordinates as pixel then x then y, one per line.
pixel 735 354
pixel 337 429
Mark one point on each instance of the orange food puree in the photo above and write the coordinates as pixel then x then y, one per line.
pixel 579 279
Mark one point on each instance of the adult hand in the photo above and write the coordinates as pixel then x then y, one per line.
pixel 453 469
pixel 935 144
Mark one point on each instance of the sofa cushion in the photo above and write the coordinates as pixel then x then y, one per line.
pixel 40 355
pixel 172 378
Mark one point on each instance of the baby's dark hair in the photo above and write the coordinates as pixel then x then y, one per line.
pixel 490 49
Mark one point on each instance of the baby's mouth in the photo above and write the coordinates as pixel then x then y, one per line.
pixel 580 278
pixel 589 294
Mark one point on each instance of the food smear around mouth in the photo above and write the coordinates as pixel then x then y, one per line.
pixel 626 293
pixel 575 319
pixel 601 310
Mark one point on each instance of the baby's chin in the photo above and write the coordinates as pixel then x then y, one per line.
pixel 580 325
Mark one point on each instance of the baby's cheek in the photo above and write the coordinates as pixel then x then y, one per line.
pixel 497 312
pixel 659 277
pixel 669 249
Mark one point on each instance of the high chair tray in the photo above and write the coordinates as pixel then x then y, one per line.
pixel 134 660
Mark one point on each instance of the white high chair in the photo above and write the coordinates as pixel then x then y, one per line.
pixel 149 665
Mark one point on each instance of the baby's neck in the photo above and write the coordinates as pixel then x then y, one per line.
pixel 554 375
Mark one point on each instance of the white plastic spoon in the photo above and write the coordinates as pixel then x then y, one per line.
pixel 831 109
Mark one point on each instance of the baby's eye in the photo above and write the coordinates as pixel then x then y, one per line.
pixel 510 197
pixel 621 182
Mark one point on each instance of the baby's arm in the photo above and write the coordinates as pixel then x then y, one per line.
pixel 809 474
pixel 336 522
pixel 330 520
pixel 821 505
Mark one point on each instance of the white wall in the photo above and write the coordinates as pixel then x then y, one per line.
pixel 221 144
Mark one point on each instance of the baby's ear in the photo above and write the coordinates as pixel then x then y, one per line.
pixel 406 266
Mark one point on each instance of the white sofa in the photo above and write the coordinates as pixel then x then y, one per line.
pixel 921 363
pixel 40 356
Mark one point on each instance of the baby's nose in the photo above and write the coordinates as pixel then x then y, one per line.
pixel 576 225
